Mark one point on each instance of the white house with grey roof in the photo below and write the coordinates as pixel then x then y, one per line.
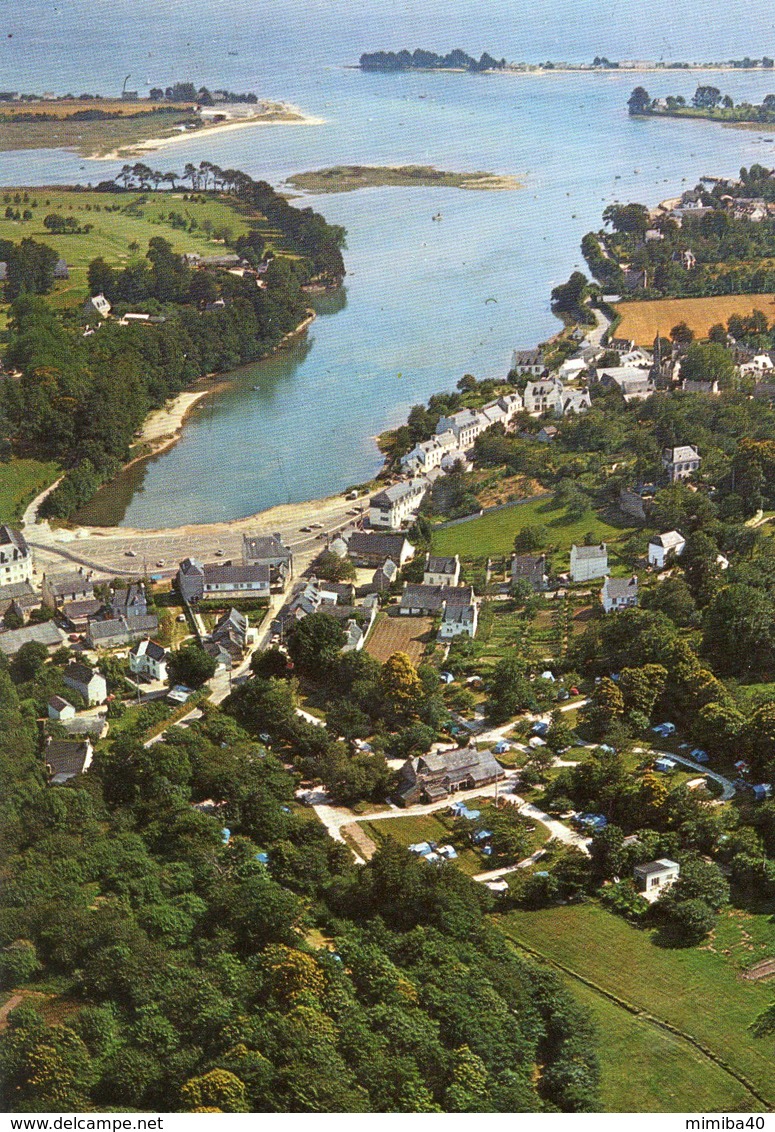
pixel 15 557
pixel 681 462
pixel 396 504
pixel 664 547
pixel 588 562
pixel 430 453
pixel 441 571
pixel 543 396
pixel 654 877
pixel 528 361
pixel 619 593
pixel 458 621
pixel 90 683
pixel 149 658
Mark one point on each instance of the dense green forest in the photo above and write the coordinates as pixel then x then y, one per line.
pixel 82 395
pixel 181 967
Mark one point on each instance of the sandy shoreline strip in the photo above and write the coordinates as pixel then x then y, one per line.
pixel 150 144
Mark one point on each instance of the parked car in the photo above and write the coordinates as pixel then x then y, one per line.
pixel 130 554
pixel 219 553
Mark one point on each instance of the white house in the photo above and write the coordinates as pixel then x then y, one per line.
pixel 60 709
pixel 665 546
pixel 587 562
pixel 619 593
pixel 430 453
pixel 441 571
pixel 681 462
pixel 393 506
pixel 528 361
pixel 149 659
pixel 87 681
pixel 466 425
pixel 457 620
pixel 15 557
pixel 97 304
pixel 543 396
pixel 655 876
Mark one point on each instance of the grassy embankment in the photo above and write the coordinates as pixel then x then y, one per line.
pixel 135 123
pixel 347 178
pixel 493 534
pixel 699 991
pixel 20 482
pixel 642 321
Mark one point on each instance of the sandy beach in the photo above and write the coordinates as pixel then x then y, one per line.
pixel 295 117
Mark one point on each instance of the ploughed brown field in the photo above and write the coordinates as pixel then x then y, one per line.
pixel 642 321
pixel 399 634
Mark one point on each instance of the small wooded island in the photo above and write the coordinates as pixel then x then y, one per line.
pixel 707 102
pixel 347 178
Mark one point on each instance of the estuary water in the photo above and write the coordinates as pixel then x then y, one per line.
pixel 424 301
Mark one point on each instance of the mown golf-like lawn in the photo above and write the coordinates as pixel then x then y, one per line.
pixel 699 990
pixel 493 533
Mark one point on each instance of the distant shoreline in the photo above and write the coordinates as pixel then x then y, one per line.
pixel 567 69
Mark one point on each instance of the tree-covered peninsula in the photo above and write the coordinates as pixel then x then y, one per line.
pixel 708 102
pixel 420 60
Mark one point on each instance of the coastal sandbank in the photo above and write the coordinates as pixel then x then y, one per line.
pixel 294 117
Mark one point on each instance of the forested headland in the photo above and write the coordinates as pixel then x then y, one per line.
pixel 77 387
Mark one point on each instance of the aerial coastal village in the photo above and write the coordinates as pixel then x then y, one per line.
pixel 450 791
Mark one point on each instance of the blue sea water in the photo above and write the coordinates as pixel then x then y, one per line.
pixel 424 301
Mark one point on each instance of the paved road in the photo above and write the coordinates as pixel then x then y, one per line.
pixel 106 549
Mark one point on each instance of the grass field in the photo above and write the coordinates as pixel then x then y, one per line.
pixel 642 321
pixel 141 217
pixel 20 482
pixel 399 634
pixel 698 990
pixel 670 1075
pixel 493 533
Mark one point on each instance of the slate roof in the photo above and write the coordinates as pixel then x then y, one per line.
pixel 440 565
pixel 418 596
pixel 651 868
pixel 669 540
pixel 14 590
pixel 682 453
pixel 382 545
pixel 59 702
pixel 80 672
pixel 620 587
pixel 120 626
pixel 530 566
pixel 589 553
pixel 149 648
pixel 71 582
pixel 46 634
pixel 236 575
pixel 264 546
pixel 397 491
pixel 66 757
pixel 10 537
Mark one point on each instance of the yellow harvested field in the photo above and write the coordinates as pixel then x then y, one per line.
pixel 643 321
pixel 399 634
